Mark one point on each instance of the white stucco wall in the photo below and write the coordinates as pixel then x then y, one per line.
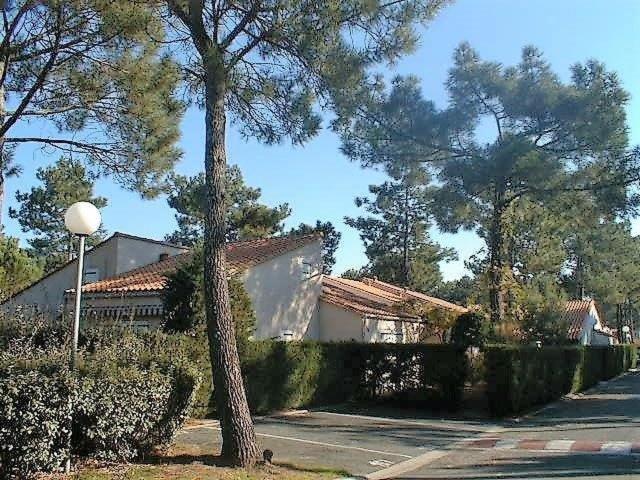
pixel 133 253
pixel 116 255
pixel 590 326
pixel 338 324
pixel 283 297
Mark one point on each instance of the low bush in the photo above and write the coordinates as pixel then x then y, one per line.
pixel 519 378
pixel 123 401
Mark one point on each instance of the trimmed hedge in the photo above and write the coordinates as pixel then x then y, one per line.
pixel 281 375
pixel 519 377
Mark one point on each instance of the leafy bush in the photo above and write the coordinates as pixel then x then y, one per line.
pixel 521 377
pixel 124 399
pixel 33 431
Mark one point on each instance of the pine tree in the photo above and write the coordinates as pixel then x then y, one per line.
pixel 41 211
pixel 396 234
pixel 246 218
pixel 270 67
pixel 88 73
pixel 550 137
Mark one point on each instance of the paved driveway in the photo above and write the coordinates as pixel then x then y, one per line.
pixel 359 444
pixel 595 435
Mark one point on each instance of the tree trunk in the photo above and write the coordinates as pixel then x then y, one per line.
pixel 2 156
pixel 496 295
pixel 406 264
pixel 238 435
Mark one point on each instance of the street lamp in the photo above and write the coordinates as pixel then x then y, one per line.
pixel 81 219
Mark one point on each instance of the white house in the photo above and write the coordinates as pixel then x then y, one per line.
pixel 371 311
pixel 125 277
pixel 586 323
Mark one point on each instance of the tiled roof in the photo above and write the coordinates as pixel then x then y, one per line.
pixel 574 313
pixel 376 298
pixel 240 256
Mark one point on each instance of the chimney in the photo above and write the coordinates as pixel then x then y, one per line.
pixel 163 256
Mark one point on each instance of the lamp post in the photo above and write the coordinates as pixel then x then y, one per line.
pixel 81 219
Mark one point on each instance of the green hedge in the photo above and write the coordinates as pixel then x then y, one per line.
pixel 521 377
pixel 284 375
pixel 281 375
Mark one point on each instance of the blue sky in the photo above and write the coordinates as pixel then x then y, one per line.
pixel 319 183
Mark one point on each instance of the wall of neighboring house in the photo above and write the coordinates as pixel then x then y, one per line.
pixel 590 325
pixel 383 331
pixel 338 324
pixel 133 253
pixel 116 255
pixel 284 292
pixel 47 295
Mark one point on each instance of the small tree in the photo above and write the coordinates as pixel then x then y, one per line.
pixel 467 330
pixel 183 301
pixel 330 241
pixel 396 234
pixel 41 210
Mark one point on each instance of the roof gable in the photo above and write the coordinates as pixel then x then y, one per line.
pixel 240 257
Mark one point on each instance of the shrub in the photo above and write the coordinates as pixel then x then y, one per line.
pixel 125 399
pixel 521 377
pixel 33 431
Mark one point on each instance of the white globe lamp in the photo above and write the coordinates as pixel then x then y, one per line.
pixel 82 218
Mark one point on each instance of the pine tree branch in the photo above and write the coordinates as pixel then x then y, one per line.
pixel 40 79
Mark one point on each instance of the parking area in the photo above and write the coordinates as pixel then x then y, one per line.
pixel 359 444
pixel 594 435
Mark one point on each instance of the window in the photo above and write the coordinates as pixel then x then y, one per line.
pixel 307 270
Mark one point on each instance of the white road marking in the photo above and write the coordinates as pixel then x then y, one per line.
pixel 408 465
pixel 559 445
pixel 322 444
pixel 618 448
pixel 380 463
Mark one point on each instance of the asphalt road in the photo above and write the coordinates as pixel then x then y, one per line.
pixel 541 446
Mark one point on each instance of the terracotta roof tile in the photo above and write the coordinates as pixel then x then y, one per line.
pixel 240 256
pixel 376 298
pixel 574 313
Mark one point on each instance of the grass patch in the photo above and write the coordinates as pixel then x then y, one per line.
pixel 197 471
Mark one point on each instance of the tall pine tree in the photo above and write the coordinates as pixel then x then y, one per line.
pixel 396 233
pixel 88 73
pixel 549 137
pixel 270 67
